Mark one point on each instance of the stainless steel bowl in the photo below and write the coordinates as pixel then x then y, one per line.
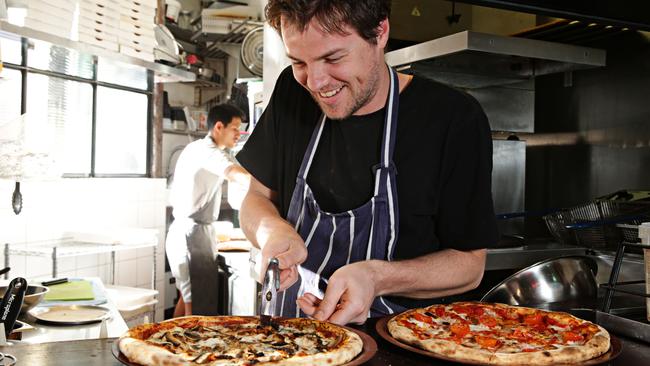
pixel 556 283
pixel 33 296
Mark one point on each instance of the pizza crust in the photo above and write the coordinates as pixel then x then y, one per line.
pixel 143 353
pixel 137 350
pixel 594 347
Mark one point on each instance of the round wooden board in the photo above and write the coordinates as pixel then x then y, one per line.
pixel 368 351
pixel 382 330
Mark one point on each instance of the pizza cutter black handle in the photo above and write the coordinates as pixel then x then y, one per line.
pixel 12 302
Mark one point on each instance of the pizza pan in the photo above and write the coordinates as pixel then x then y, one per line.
pixel 368 351
pixel 70 314
pixel 382 330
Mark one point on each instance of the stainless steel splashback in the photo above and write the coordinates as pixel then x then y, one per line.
pixel 509 107
pixel 508 182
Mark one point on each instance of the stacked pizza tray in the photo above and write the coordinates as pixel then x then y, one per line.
pixel 52 16
pixel 99 23
pixel 136 24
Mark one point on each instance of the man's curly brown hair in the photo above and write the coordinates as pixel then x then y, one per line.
pixel 333 16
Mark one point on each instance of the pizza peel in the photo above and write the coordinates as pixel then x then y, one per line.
pixel 382 329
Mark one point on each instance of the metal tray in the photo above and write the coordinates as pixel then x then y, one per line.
pixel 70 314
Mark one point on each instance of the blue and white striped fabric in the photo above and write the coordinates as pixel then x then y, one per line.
pixel 334 240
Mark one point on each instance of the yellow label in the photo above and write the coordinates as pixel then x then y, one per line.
pixel 415 12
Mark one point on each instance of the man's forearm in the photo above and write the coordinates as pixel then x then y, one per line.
pixel 239 175
pixel 443 273
pixel 260 219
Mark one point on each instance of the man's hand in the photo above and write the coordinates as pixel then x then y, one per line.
pixel 265 228
pixel 349 295
pixel 290 252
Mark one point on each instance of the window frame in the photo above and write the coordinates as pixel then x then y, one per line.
pixel 94 83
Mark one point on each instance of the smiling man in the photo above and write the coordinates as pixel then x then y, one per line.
pixel 371 187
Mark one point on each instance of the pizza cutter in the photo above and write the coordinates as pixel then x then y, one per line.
pixel 269 294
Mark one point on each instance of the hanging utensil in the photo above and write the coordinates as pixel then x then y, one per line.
pixel 17 199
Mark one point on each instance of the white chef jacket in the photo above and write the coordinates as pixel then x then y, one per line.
pixel 198 178
pixel 196 198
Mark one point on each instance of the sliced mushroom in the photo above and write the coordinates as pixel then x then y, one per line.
pixel 192 335
pixel 203 357
pixel 172 338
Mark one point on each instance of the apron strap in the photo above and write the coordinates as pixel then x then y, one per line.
pixel 390 129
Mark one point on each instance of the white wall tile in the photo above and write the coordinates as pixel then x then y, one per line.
pixel 18 266
pixel 126 273
pixel 160 265
pixel 89 272
pixel 67 274
pixel 147 215
pixel 123 255
pixel 144 252
pixel 144 272
pixel 13 226
pixel 39 266
pixel 53 207
pixel 66 264
pixel 104 272
pixel 86 261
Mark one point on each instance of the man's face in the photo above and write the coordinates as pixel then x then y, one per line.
pixel 227 136
pixel 341 72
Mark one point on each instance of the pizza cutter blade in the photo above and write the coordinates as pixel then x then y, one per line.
pixel 269 293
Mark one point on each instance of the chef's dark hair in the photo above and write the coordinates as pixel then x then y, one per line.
pixel 223 113
pixel 363 16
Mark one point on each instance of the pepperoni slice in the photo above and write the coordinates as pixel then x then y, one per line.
pixel 459 329
pixel 572 337
pixel 440 311
pixel 487 342
pixel 422 318
pixel 487 321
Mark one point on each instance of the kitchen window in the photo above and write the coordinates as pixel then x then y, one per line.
pixel 63 109
pixel 121 126
pixel 94 112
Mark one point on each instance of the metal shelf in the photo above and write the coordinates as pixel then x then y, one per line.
pixel 162 73
pixel 68 247
pixel 199 134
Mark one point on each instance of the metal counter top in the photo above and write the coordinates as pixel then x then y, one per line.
pixel 98 352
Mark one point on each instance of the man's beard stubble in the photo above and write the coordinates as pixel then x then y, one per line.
pixel 366 94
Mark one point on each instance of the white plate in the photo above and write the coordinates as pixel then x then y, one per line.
pixel 70 314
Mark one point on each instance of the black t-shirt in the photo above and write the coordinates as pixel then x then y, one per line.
pixel 443 156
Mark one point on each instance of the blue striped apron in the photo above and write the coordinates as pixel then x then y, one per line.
pixel 336 239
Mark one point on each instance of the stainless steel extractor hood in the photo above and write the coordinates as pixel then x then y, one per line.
pixel 474 60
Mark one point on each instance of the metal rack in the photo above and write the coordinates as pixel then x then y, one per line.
pixel 612 286
pixel 67 247
pixel 162 73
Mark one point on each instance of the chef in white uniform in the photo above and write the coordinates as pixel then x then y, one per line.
pixel 196 197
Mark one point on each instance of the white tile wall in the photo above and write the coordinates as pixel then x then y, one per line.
pixel 52 207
